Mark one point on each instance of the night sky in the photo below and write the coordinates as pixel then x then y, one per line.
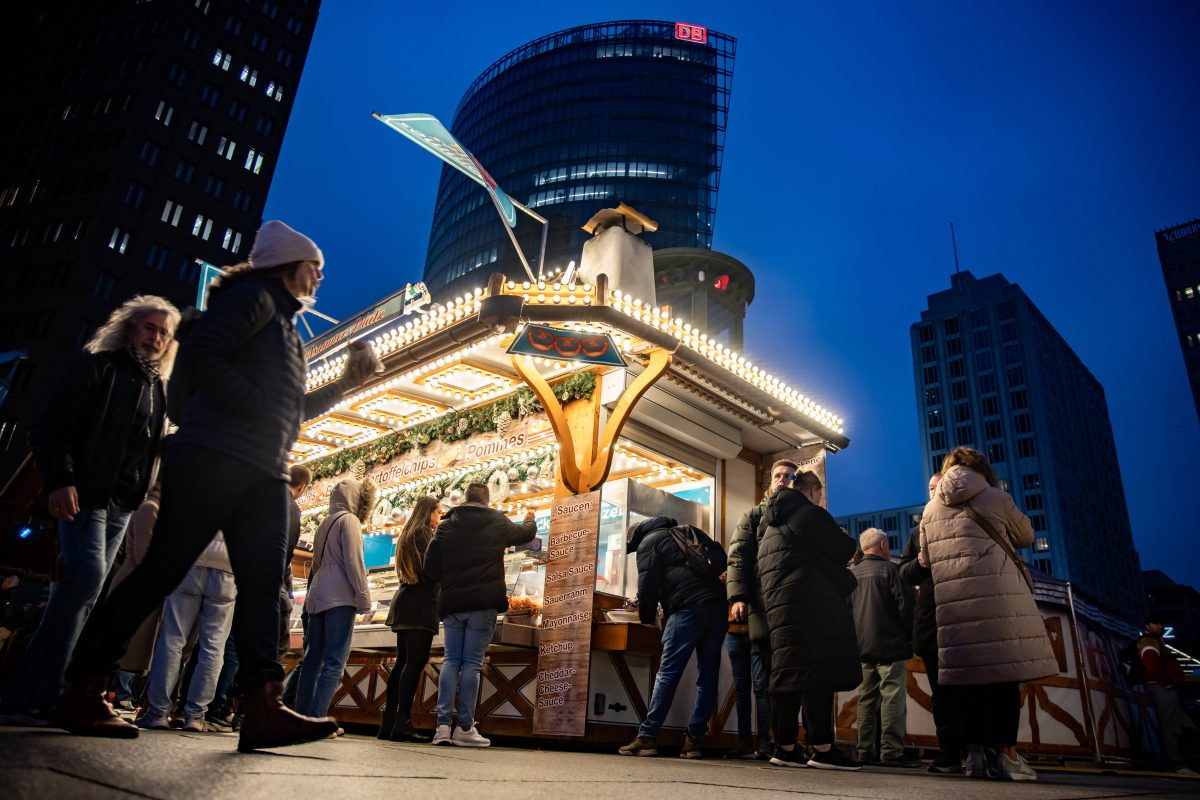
pixel 1057 136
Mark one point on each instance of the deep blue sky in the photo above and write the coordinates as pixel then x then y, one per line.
pixel 1057 136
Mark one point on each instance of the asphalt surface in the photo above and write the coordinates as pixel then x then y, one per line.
pixel 44 763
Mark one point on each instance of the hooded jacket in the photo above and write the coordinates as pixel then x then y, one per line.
pixel 741 580
pixel 467 557
pixel 339 574
pixel 989 629
pixel 664 576
pixel 813 645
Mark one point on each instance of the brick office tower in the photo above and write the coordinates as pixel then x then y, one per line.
pixel 992 373
pixel 1179 254
pixel 138 138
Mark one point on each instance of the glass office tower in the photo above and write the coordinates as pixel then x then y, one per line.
pixel 581 120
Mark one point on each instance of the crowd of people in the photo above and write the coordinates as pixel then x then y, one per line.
pixel 198 612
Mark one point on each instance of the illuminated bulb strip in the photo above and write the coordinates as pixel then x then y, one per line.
pixel 737 364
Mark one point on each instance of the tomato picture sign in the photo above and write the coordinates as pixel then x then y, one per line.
pixel 578 346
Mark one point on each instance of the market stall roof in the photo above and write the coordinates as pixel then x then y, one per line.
pixel 454 357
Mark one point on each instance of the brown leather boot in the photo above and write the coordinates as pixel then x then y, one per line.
pixel 83 710
pixel 269 723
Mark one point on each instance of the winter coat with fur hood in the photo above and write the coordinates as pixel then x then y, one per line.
pixel 989 629
pixel 339 575
pixel 813 644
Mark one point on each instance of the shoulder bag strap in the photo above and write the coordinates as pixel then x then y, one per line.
pixel 1004 544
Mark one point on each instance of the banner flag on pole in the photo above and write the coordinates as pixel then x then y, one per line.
pixel 428 132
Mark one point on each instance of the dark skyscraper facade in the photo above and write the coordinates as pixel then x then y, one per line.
pixel 992 373
pixel 577 121
pixel 1179 254
pixel 138 138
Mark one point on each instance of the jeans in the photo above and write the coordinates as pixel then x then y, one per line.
pixel 883 711
pixel 203 492
pixel 467 636
pixel 125 685
pixel 88 546
pixel 412 654
pixel 701 629
pixel 206 594
pixel 229 669
pixel 329 634
pixel 750 678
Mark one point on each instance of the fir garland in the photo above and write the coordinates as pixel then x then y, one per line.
pixel 446 428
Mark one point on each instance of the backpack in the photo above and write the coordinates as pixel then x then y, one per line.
pixel 703 556
pixel 1129 660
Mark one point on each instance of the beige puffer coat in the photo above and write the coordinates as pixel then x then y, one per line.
pixel 989 629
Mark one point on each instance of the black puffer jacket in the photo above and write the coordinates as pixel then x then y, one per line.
pixel 924 626
pixel 240 377
pixel 414 605
pixel 466 557
pixel 87 427
pixel 741 580
pixel 664 575
pixel 813 646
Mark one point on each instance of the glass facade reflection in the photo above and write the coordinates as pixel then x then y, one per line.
pixel 577 121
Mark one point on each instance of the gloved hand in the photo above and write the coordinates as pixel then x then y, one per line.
pixel 361 364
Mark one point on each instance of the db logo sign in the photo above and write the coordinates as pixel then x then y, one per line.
pixel 691 33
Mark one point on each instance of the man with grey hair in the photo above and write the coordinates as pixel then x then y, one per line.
pixel 882 606
pixel 96 444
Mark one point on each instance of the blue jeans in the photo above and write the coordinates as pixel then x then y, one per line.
pixel 228 672
pixel 205 597
pixel 702 630
pixel 125 685
pixel 324 662
pixel 467 636
pixel 89 545
pixel 750 677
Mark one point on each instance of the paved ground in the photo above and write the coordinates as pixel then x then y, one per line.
pixel 167 764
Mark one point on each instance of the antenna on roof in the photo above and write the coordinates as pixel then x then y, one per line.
pixel 954 244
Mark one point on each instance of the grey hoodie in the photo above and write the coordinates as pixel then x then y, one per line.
pixel 339 576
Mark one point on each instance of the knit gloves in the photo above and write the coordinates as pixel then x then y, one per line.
pixel 361 364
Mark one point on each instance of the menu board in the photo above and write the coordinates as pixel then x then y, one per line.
pixel 565 644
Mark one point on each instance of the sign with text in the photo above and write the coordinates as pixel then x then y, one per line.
pixel 560 345
pixel 691 33
pixel 565 646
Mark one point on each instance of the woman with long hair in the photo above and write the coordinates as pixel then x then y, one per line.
pixel 990 634
pixel 413 616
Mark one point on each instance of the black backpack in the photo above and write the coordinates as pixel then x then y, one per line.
pixel 704 556
pixel 1130 662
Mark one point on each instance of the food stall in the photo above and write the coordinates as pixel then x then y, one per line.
pixel 629 413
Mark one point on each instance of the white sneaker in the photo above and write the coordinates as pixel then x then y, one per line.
pixel 442 735
pixel 1017 769
pixel 469 738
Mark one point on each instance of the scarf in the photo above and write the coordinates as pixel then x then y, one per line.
pixel 151 369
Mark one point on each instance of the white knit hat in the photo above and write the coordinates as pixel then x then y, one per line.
pixel 277 244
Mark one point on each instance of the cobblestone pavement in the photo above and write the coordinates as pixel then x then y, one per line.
pixel 42 763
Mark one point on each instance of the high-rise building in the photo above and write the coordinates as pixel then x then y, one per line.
pixel 898 523
pixel 138 138
pixel 992 373
pixel 1179 255
pixel 579 120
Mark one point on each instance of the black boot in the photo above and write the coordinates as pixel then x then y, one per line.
pixel 385 727
pixel 403 730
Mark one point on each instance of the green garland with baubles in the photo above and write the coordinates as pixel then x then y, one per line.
pixel 454 426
